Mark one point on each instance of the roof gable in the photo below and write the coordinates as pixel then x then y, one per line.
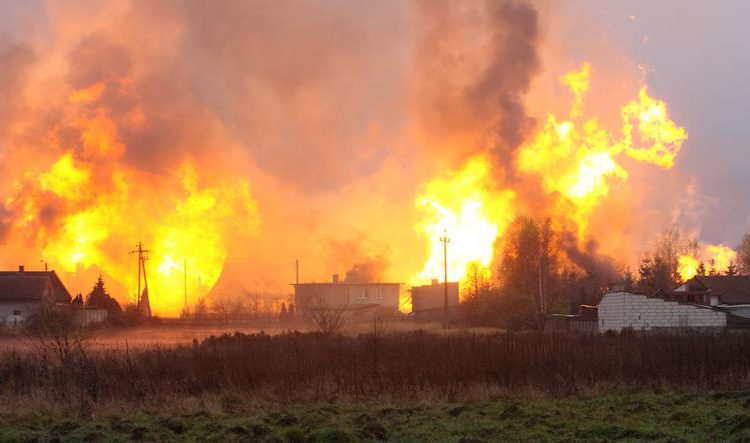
pixel 733 289
pixel 31 285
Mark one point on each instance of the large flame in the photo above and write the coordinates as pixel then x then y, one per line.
pixel 471 211
pixel 716 259
pixel 107 207
pixel 577 159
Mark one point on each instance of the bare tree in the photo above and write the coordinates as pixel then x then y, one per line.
pixel 328 319
pixel 55 335
pixel 220 308
pixel 479 279
pixel 743 255
pixel 201 309
pixel 237 309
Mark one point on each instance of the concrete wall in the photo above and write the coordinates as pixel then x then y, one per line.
pixel 346 294
pixel 432 296
pixel 620 310
pixel 88 316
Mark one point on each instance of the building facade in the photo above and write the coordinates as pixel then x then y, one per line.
pixel 381 297
pixel 23 292
pixel 428 300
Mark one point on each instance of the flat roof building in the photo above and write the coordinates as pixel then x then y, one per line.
pixel 355 296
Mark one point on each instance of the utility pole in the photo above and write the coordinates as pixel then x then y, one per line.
pixel 542 307
pixel 445 241
pixel 185 305
pixel 296 269
pixel 142 257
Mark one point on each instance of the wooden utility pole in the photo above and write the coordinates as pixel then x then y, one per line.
pixel 445 241
pixel 142 257
pixel 185 304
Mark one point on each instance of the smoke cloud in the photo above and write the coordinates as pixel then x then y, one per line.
pixel 588 258
pixel 477 61
pixel 274 131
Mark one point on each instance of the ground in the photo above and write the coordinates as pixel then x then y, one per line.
pixel 722 416
pixel 170 332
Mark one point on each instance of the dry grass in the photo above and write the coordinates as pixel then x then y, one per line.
pixel 309 367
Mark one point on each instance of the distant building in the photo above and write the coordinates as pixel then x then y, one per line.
pixel 23 292
pixel 714 290
pixel 351 297
pixel 429 300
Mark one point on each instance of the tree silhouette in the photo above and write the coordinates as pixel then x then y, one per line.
pixel 743 256
pixel 100 298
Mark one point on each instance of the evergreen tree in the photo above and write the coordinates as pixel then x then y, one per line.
pixel 713 270
pixel 701 269
pixel 731 269
pixel 100 298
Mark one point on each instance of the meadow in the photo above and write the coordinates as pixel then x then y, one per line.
pixel 399 386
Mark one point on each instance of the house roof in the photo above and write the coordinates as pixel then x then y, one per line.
pixel 30 285
pixel 733 289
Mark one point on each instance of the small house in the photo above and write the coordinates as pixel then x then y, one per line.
pixel 23 292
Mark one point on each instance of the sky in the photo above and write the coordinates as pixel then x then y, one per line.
pixel 319 123
pixel 696 58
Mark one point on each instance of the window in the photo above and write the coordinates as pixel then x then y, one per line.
pixel 362 294
pixel 17 312
pixel 381 296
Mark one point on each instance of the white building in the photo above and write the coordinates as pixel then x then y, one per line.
pixel 23 292
pixel 623 310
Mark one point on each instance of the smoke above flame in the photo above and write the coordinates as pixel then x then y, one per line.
pixel 257 136
pixel 577 160
pixel 89 208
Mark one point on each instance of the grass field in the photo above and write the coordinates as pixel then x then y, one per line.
pixel 637 417
pixel 399 386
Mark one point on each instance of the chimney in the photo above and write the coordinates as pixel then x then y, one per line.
pixel 20 269
pixel 335 278
pixel 434 282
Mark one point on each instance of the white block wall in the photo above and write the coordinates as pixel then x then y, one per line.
pixel 620 310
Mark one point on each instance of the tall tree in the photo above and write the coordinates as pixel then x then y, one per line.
pixel 519 274
pixel 743 255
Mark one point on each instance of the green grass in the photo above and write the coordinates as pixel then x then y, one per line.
pixel 637 417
